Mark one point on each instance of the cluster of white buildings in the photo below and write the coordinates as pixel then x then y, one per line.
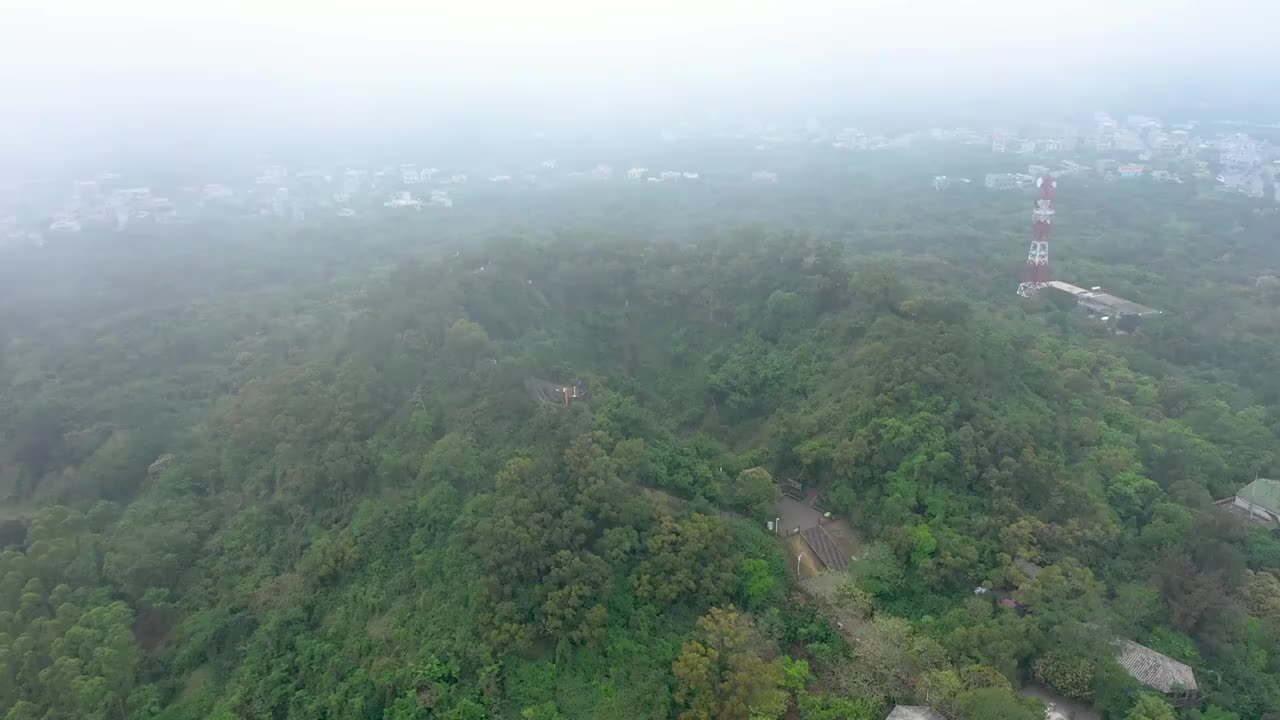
pixel 1143 146
pixel 642 174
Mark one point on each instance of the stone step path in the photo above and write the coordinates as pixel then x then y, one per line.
pixel 825 548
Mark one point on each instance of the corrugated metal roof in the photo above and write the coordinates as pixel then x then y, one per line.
pixel 1125 307
pixel 1154 669
pixel 1262 492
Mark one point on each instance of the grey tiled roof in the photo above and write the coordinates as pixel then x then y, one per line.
pixel 1154 669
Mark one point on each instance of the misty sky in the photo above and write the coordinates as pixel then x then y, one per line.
pixel 86 71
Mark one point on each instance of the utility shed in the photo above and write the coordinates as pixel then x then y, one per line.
pixel 1157 671
pixel 914 712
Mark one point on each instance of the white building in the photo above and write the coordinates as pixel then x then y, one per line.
pixel 636 173
pixel 216 192
pixel 851 139
pixel 402 199
pixel 764 176
pixel 272 175
pixel 1000 181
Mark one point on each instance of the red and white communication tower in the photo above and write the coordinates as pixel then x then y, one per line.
pixel 1036 274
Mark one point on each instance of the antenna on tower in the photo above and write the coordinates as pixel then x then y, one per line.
pixel 1036 273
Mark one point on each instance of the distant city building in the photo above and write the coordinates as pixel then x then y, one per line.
pixel 346 213
pixel 216 192
pixel 764 176
pixel 281 204
pixel 602 172
pixel 851 139
pixel 636 173
pixel 1142 122
pixel 65 225
pixel 1131 170
pixel 272 175
pixel 549 164
pixel 499 178
pixel 402 199
pixel 941 182
pixel 1001 181
pixel 85 192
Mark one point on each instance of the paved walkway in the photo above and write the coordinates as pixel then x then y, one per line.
pixel 797 514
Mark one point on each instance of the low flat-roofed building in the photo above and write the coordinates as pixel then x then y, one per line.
pixel 1101 303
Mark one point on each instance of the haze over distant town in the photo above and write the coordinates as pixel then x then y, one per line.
pixel 675 360
pixel 172 84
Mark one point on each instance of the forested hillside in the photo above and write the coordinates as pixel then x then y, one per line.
pixel 252 474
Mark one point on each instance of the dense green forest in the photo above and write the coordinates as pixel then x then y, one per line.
pixel 253 472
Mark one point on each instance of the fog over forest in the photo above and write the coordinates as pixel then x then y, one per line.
pixel 667 361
